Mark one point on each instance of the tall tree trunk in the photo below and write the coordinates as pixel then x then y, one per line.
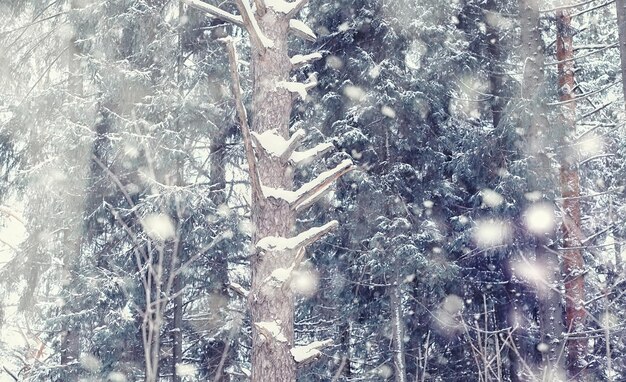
pixel 539 177
pixel 573 264
pixel 70 345
pixel 276 253
pixel 271 108
pixel 621 28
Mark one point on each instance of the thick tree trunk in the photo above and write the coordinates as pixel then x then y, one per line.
pixel 573 264
pixel 271 109
pixel 621 28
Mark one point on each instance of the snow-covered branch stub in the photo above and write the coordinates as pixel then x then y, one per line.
pixel 274 243
pixel 300 29
pixel 310 192
pixel 252 25
pixel 304 59
pixel 308 353
pixel 275 145
pixel 306 156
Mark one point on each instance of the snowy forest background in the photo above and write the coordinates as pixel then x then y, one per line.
pixel 465 157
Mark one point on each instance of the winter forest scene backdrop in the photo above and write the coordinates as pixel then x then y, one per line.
pixel 312 190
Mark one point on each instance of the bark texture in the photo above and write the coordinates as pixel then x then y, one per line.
pixel 271 109
pixel 572 261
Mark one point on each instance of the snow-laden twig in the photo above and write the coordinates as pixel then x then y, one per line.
pixel 215 11
pixel 301 60
pixel 310 192
pixel 301 30
pixel 237 288
pixel 308 353
pixel 301 157
pixel 12 213
pixel 297 6
pixel 275 243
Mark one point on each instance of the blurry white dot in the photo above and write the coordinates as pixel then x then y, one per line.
pixel 491 198
pixel 543 347
pixel 344 27
pixel 388 112
pixel 159 227
pixel 116 376
pixel 428 203
pixel 452 304
pixel 305 282
pixel 334 62
pixel 355 93
pixel 531 271
pixel 489 233
pixel 186 370
pixel 539 218
pixel 590 145
pixel 385 372
pixel 374 72
pixel 533 196
pixel 90 362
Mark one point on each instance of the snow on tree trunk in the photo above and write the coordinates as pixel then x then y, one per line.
pixel 271 109
pixel 572 261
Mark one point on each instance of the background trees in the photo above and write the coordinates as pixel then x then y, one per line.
pixel 460 252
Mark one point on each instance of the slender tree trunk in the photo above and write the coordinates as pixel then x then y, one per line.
pixel 540 176
pixel 70 347
pixel 573 264
pixel 621 28
pixel 397 319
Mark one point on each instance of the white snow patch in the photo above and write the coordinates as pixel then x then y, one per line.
pixel 294 87
pixel 274 144
pixel 302 29
pixel 159 227
pixel 539 218
pixel 272 329
pixel 280 6
pixel 312 350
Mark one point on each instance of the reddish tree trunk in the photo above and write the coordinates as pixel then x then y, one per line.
pixel 572 261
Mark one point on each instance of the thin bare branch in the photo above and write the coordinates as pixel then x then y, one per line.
pixel 215 11
pixel 257 192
